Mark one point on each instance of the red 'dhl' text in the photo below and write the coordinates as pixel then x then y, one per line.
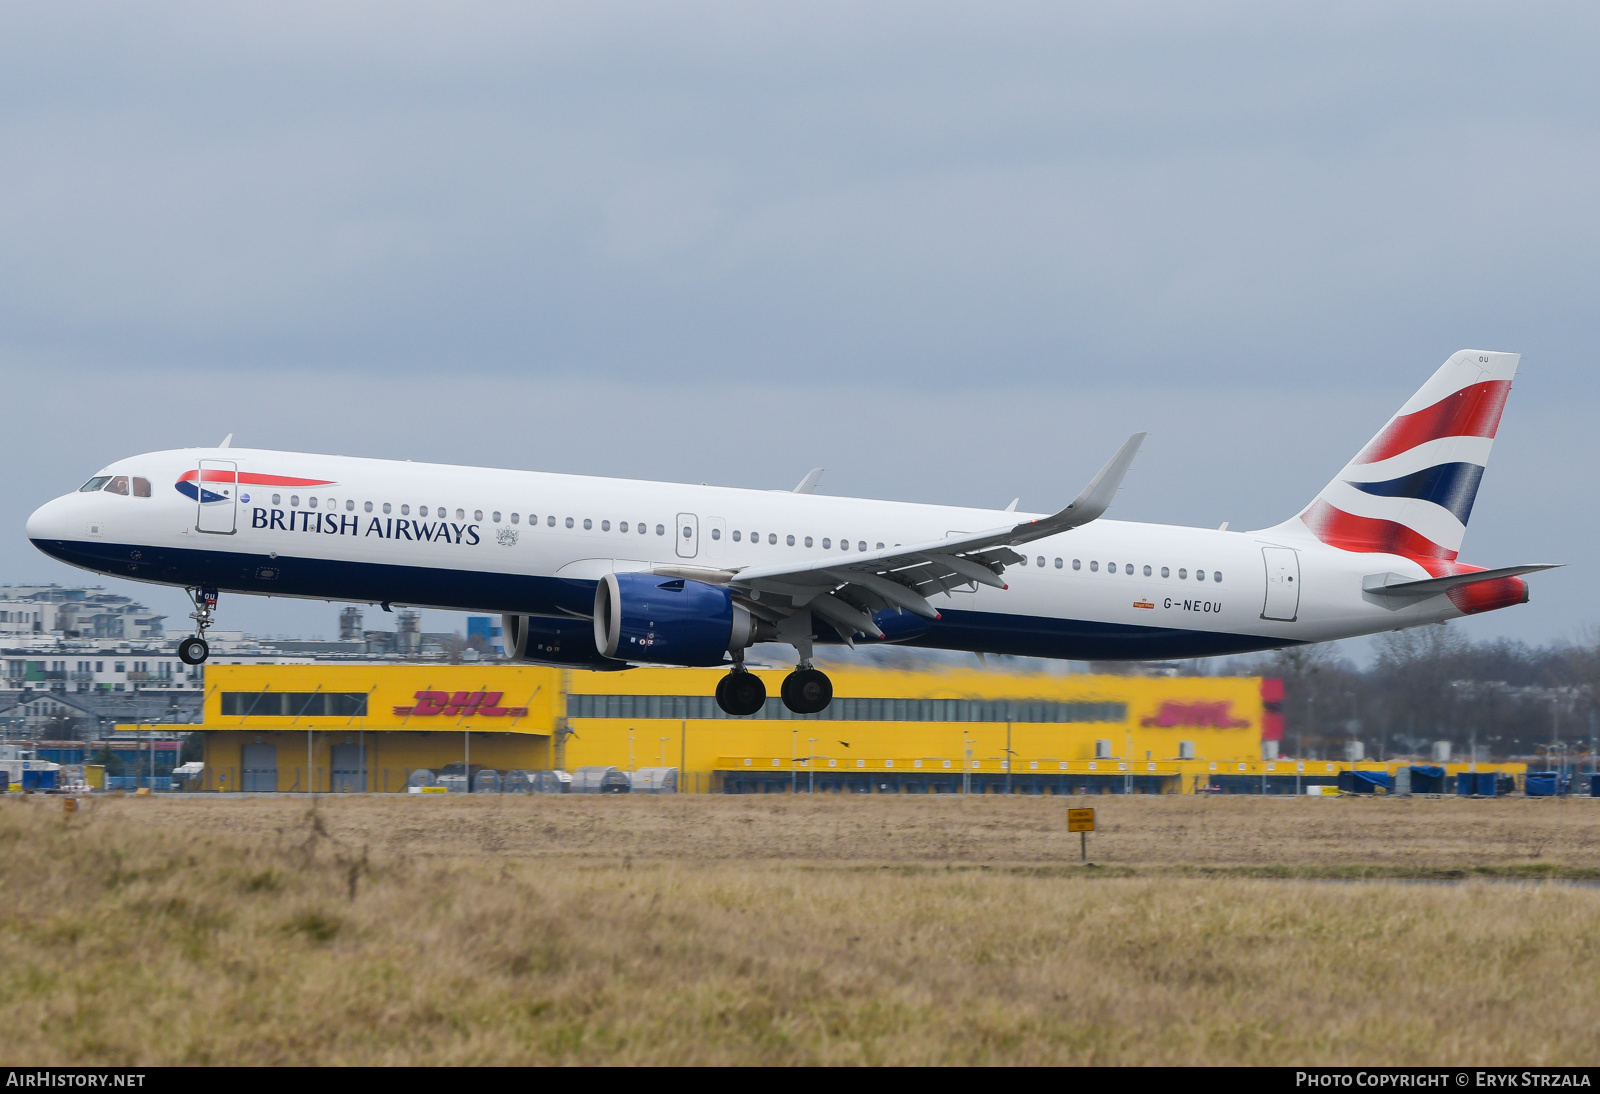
pixel 1208 715
pixel 442 704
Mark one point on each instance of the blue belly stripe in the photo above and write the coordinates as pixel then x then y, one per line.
pixel 470 591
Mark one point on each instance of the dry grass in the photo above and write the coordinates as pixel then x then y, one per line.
pixel 778 930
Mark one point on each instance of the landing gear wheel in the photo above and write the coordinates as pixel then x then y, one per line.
pixel 193 650
pixel 741 693
pixel 807 691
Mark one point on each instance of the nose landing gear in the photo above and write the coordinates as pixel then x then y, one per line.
pixel 194 649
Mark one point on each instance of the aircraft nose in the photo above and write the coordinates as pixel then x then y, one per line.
pixel 48 521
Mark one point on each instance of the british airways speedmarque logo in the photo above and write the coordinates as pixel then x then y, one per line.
pixel 192 484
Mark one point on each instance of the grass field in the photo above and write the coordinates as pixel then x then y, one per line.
pixel 781 930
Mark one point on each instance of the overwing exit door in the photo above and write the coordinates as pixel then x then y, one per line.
pixel 688 535
pixel 218 487
pixel 1283 583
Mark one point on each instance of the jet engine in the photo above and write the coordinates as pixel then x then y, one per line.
pixel 670 621
pixel 543 640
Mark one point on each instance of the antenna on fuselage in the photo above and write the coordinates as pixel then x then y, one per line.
pixel 226 441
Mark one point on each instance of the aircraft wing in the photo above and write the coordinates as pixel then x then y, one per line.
pixel 847 589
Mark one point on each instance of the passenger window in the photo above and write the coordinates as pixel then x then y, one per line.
pixel 294 500
pixel 1182 574
pixel 772 538
pixel 1215 576
pixel 349 505
pixel 311 503
pixel 1077 564
pixel 1058 564
pixel 605 526
pixel 808 541
pixel 827 544
pixel 569 522
pixel 551 522
pixel 688 532
pixel 1127 568
pixel 1147 571
pixel 736 535
pixel 642 528
pixel 118 485
pixel 405 510
pixel 277 499
pixel 1165 572
pixel 141 488
pixel 94 484
pixel 791 541
pixel 716 533
pixel 1111 567
pixel 880 547
pixel 367 506
pixel 1023 561
pixel 495 515
pixel 460 515
pixel 623 527
pixel 422 510
pixel 386 508
pixel 587 524
pixel 1093 566
pixel 477 514
pixel 1199 575
pixel 661 529
pixel 862 546
pixel 514 519
pixel 1041 562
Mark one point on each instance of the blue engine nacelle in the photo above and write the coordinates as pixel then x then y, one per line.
pixel 547 641
pixel 668 620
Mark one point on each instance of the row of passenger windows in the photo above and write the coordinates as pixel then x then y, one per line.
pixel 853 710
pixel 1126 568
pixel 738 536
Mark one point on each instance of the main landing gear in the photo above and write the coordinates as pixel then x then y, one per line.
pixel 805 691
pixel 194 650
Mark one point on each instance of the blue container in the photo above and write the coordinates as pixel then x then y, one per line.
pixel 1481 784
pixel 1594 785
pixel 1539 784
pixel 39 780
pixel 1364 782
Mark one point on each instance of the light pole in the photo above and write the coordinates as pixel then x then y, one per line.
pixel 794 758
pixel 811 767
pixel 1009 756
pixel 966 771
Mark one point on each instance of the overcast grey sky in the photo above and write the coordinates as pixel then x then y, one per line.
pixel 951 252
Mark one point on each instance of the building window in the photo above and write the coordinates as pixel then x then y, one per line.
pixel 294 704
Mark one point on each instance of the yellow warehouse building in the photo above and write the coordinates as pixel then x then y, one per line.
pixel 332 727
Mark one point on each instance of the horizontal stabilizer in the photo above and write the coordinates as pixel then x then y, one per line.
pixel 1397 585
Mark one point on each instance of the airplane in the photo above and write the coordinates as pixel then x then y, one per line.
pixel 606 573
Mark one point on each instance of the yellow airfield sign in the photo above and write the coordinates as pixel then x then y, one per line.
pixel 1080 820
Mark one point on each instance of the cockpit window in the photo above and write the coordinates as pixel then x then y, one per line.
pixel 141 488
pixel 94 484
pixel 118 485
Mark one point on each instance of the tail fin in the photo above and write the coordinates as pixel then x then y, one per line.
pixel 1410 490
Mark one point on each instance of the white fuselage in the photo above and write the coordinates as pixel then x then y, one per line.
pixel 348 529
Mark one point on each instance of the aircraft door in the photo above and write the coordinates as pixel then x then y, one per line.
pixel 688 535
pixel 1283 583
pixel 218 486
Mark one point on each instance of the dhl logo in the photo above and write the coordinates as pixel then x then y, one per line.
pixel 1218 715
pixel 442 704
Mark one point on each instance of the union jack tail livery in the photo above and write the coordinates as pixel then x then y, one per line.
pixel 1410 490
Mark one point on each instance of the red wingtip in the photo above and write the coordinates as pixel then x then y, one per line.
pixel 937 617
pixel 1003 588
